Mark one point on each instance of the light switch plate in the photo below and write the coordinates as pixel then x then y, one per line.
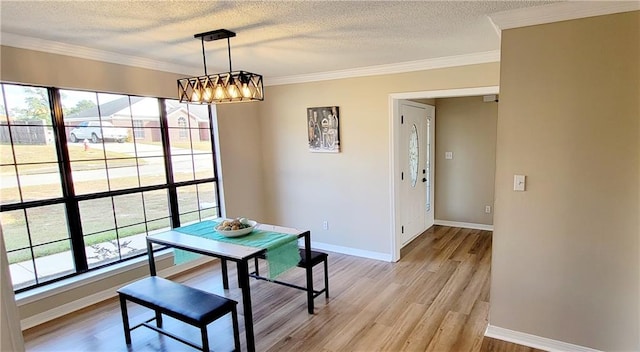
pixel 448 155
pixel 519 182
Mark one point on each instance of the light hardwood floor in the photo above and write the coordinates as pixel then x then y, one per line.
pixel 435 299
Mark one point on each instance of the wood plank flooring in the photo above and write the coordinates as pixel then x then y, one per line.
pixel 435 299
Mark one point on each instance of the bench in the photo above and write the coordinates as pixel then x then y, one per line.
pixel 187 304
pixel 316 258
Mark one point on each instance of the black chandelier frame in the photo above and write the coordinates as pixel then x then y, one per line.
pixel 226 87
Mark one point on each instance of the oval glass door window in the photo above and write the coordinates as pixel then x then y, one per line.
pixel 413 155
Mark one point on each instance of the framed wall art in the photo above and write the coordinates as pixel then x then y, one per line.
pixel 323 128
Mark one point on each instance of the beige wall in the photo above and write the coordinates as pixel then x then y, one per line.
pixel 566 251
pixel 240 154
pixel 464 185
pixel 350 189
pixel 39 68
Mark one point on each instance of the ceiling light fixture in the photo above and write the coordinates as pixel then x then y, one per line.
pixel 226 87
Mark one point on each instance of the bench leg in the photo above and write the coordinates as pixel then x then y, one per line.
pixel 236 329
pixel 205 338
pixel 125 319
pixel 326 279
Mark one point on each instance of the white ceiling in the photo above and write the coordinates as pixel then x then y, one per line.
pixel 274 38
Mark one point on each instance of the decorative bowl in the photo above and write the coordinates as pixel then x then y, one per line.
pixel 237 233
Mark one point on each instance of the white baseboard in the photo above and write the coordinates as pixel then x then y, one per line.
pixel 534 341
pixel 352 251
pixel 466 225
pixel 97 297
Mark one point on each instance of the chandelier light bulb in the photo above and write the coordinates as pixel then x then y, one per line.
pixel 233 91
pixel 208 94
pixel 246 91
pixel 195 96
pixel 219 92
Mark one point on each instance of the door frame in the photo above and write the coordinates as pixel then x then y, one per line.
pixel 394 147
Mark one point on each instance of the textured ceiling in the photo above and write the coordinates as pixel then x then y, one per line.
pixel 274 38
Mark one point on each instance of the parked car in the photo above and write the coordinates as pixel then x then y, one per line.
pixel 93 131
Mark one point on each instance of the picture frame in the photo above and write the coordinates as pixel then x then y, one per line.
pixel 323 129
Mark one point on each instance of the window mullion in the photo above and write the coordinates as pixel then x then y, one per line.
pixel 215 157
pixel 168 164
pixel 68 191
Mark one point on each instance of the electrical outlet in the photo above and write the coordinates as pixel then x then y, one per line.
pixel 487 209
pixel 325 225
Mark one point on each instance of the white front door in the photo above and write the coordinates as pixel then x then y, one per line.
pixel 416 168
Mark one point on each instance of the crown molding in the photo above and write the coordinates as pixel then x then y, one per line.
pixel 53 47
pixel 30 43
pixel 401 67
pixel 561 11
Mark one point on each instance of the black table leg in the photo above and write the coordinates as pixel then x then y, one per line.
pixel 240 275
pixel 125 320
pixel 243 277
pixel 152 261
pixel 309 271
pixel 225 277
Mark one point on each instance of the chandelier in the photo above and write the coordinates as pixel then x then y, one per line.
pixel 226 87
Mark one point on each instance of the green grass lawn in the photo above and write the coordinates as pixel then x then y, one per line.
pixel 43 158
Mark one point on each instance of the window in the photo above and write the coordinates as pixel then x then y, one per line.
pixel 182 125
pixel 81 190
pixel 138 130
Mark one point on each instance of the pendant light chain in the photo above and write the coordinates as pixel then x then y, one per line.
pixel 204 58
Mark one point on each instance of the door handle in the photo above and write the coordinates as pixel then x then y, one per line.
pixel 424 179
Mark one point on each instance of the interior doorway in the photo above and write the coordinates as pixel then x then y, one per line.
pixel 399 143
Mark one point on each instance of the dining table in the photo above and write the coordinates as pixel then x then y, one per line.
pixel 202 239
